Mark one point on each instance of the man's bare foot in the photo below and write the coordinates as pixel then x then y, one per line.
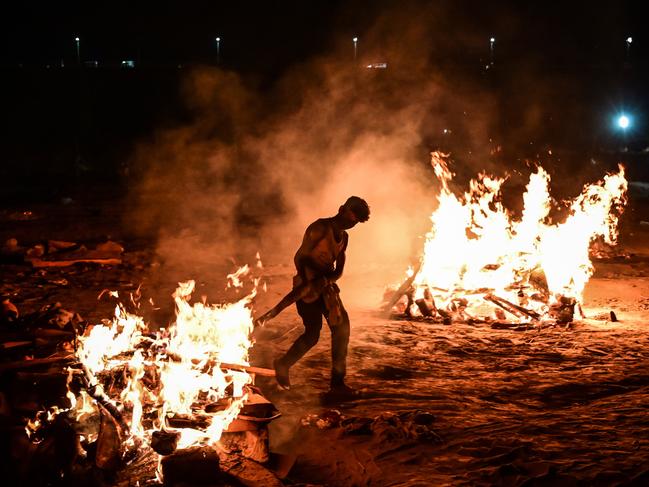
pixel 281 374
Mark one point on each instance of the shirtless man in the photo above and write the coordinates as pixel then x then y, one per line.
pixel 320 260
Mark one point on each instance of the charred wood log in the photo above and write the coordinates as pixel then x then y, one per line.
pixel 24 364
pixel 200 465
pixel 195 421
pixel 109 442
pixel 15 344
pixel 447 319
pixel 164 442
pixel 425 308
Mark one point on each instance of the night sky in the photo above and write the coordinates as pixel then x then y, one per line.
pixel 262 36
pixel 561 72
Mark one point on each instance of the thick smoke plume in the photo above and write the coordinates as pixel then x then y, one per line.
pixel 255 162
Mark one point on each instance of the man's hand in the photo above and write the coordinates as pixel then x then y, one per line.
pixel 336 273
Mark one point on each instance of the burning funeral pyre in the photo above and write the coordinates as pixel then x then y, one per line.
pixel 481 264
pixel 185 393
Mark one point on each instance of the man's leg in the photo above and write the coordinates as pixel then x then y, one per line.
pixel 311 314
pixel 339 344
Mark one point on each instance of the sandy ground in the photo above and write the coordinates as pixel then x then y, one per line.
pixel 540 407
pixel 562 405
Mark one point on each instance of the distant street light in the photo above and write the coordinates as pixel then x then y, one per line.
pixel 492 42
pixel 355 39
pixel 78 43
pixel 218 50
pixel 629 40
pixel 624 122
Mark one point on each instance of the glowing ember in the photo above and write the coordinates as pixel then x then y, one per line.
pixel 477 256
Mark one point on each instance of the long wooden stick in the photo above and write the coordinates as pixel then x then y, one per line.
pixel 250 369
pixel 291 297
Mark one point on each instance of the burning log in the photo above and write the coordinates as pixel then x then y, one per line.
pixel 475 242
pixel 195 421
pixel 426 308
pixel 403 289
pixel 97 393
pixel 514 309
pixel 109 441
pixel 563 310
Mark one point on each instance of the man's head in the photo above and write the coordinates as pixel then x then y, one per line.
pixel 354 210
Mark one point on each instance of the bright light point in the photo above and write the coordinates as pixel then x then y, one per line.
pixel 623 121
pixel 218 39
pixel 355 39
pixel 629 40
pixel 76 39
pixel 492 40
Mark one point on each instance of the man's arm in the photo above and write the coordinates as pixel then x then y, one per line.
pixel 340 262
pixel 303 259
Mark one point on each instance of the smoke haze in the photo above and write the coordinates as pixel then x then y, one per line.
pixel 256 162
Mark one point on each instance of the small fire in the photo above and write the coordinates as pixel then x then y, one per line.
pixel 477 255
pixel 173 373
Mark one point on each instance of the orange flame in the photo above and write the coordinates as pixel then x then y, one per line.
pixel 476 248
pixel 187 358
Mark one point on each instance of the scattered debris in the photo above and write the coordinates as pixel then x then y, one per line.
pixel 405 425
pixel 58 253
pixel 331 418
pixel 65 253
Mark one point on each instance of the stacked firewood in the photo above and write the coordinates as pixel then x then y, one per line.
pixel 402 303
